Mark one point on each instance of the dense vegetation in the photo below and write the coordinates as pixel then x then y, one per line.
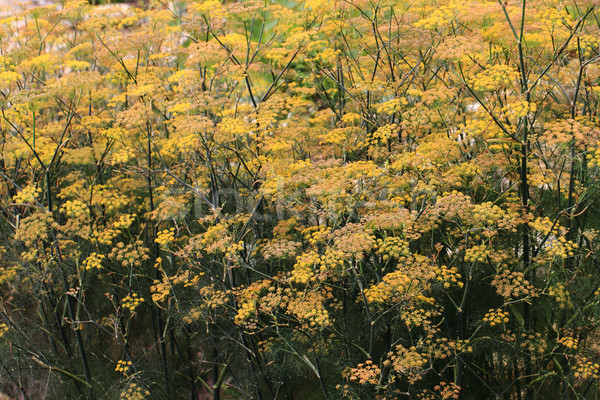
pixel 300 200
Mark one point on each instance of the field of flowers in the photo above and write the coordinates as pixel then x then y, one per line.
pixel 344 199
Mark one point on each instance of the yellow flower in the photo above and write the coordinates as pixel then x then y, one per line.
pixel 496 317
pixel 123 366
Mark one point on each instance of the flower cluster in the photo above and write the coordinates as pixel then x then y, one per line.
pixel 478 253
pixel 448 390
pixel 418 316
pixel 74 209
pixel 406 361
pixel 533 343
pixel 463 346
pixel 385 133
pixel 448 276
pixel 131 301
pixel 494 77
pixel 519 109
pixel 560 247
pixel 569 342
pixel 512 284
pixel 3 329
pixel 28 195
pixel 246 310
pixel 587 369
pixel 593 157
pixel 315 235
pixel 309 266
pixel 247 299
pixel 560 293
pixel 161 289
pixel 392 106
pixel 439 17
pixel 392 247
pixel 365 373
pixel 393 283
pixel 93 261
pixel 130 255
pixel 303 271
pixel 165 237
pixel 310 308
pixel 351 118
pixel 123 366
pixel 354 240
pixel 134 392
pixel 35 228
pixel 280 248
pixel 496 317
